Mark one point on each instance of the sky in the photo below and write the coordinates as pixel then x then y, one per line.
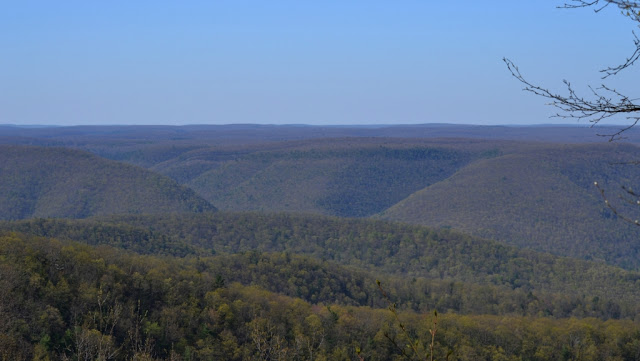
pixel 298 62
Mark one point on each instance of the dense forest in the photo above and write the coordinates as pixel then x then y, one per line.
pixel 516 192
pixel 66 300
pixel 315 243
pixel 60 182
pixel 447 270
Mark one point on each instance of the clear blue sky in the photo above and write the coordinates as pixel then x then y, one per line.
pixel 313 62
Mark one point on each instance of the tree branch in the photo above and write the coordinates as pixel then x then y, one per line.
pixel 635 201
pixel 628 61
pixel 604 103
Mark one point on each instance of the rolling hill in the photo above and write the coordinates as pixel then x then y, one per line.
pixel 147 270
pixel 325 259
pixel 543 199
pixel 64 300
pixel 530 194
pixel 348 177
pixel 59 182
pixel 533 195
pixel 149 145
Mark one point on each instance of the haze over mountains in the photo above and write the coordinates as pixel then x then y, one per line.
pixel 541 198
pixel 255 133
pixel 201 224
pixel 515 189
pixel 58 182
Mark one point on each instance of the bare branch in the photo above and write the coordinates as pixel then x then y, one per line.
pixel 613 209
pixel 628 61
pixel 583 4
pixel 635 162
pixel 413 345
pixel 618 135
pixel 604 103
pixel 601 4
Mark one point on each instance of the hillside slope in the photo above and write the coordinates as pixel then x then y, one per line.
pixel 322 259
pixel 349 177
pixel 534 195
pixel 541 199
pixel 58 182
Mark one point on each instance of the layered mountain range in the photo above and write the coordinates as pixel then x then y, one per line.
pixel 252 242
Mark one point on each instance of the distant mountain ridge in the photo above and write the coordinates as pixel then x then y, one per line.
pixel 60 182
pixel 532 194
pixel 114 140
pixel 329 256
pixel 348 177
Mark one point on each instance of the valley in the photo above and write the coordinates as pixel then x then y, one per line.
pixel 268 242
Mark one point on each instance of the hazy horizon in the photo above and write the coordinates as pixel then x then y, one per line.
pixel 363 125
pixel 287 62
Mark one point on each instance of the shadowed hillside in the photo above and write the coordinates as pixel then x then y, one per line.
pixel 541 199
pixel 57 182
pixel 349 177
pixel 258 285
pixel 535 195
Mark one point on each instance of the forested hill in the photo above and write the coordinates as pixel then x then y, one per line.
pixel 534 195
pixel 469 274
pixel 530 194
pixel 348 177
pixel 144 269
pixel 542 199
pixel 64 300
pixel 59 182
pixel 120 139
